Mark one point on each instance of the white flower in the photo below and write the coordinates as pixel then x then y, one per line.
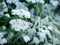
pixel 18 24
pixel 50 28
pixel 20 5
pixel 12 1
pixel 41 36
pixel 41 1
pixel 34 1
pixel 1 14
pixel 31 32
pixel 26 38
pixel 1 35
pixel 56 40
pixel 16 12
pixel 4 4
pixel 36 40
pixel 21 13
pixel 7 15
pixel 49 44
pixel 54 2
pixel 2 41
pixel 25 13
pixel 5 8
pixel 45 31
pixel 32 10
pixel 3 27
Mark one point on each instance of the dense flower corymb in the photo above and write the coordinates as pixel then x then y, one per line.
pixel 21 13
pixel 18 24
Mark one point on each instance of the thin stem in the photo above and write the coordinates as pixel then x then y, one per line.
pixel 46 41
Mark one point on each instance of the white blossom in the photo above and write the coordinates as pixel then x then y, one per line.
pixel 32 11
pixel 18 24
pixel 41 36
pixel 4 8
pixel 20 5
pixel 26 38
pixel 41 1
pixel 34 1
pixel 7 15
pixel 45 31
pixel 56 40
pixel 12 1
pixel 36 40
pixel 54 2
pixel 1 35
pixel 2 41
pixel 21 13
pixel 50 28
pixel 3 27
pixel 49 44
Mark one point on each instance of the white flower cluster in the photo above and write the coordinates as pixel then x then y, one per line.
pixel 31 32
pixel 34 1
pixel 18 24
pixel 34 32
pixel 2 40
pixel 12 1
pixel 42 34
pixel 54 2
pixel 20 5
pixel 3 8
pixel 43 31
pixel 21 13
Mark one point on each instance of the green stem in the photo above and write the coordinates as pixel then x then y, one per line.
pixel 46 42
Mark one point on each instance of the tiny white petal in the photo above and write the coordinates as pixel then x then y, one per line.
pixel 26 38
pixel 41 36
pixel 36 40
pixel 50 28
pixel 7 15
pixel 3 27
pixel 1 35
